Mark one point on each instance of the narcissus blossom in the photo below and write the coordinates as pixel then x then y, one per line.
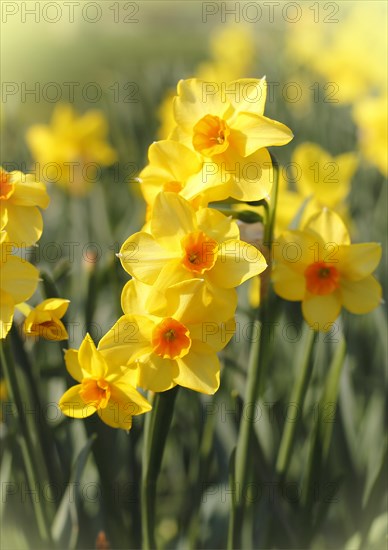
pixel 225 124
pixel 177 348
pixel 184 244
pixel 18 282
pixel 320 267
pixel 20 197
pixel 45 320
pixel 104 387
pixel 69 148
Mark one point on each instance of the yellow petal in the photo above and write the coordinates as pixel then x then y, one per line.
pixel 356 261
pixel 199 372
pixel 90 359
pixel 298 249
pixel 321 311
pixel 143 257
pixel 237 261
pixel 128 339
pixel 18 277
pixel 216 225
pixel 72 404
pixel 72 364
pixel 330 227
pixel 25 225
pixel 246 94
pixel 195 100
pixel 251 132
pixel 361 296
pixel 211 336
pixel 28 192
pixel 157 374
pixel 134 297
pixel 6 313
pixel 57 306
pixel 288 283
pixel 172 218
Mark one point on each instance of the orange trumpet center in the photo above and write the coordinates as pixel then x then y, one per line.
pixel 95 392
pixel 321 278
pixel 211 136
pixel 173 186
pixel 171 339
pixel 200 252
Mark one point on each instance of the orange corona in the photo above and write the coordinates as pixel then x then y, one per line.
pixel 211 135
pixel 171 339
pixel 95 392
pixel 200 252
pixel 321 278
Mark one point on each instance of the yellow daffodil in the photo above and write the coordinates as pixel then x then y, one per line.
pixel 320 267
pixel 104 387
pixel 184 244
pixel 20 197
pixel 18 282
pixel 45 320
pixel 370 115
pixel 69 149
pixel 225 124
pixel 179 347
pixel 175 168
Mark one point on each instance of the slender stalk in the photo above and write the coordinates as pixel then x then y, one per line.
pixel 255 378
pixel 297 398
pixel 157 425
pixel 31 461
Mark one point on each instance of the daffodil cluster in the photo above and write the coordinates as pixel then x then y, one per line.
pixel 189 258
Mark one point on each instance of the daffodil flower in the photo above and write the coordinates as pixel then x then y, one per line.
pixel 20 197
pixel 225 124
pixel 184 244
pixel 72 145
pixel 320 267
pixel 104 387
pixel 177 348
pixel 45 320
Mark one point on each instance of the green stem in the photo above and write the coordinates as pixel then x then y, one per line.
pixel 157 425
pixel 255 378
pixel 297 398
pixel 31 461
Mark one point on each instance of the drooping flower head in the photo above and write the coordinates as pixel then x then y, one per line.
pixel 45 320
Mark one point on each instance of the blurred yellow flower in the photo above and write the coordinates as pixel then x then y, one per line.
pixel 320 267
pixel 18 282
pixel 44 320
pixel 225 124
pixel 178 347
pixel 184 244
pixel 348 65
pixel 370 115
pixel 105 387
pixel 21 220
pixel 72 149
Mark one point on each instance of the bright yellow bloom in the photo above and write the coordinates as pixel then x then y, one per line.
pixel 225 124
pixel 175 168
pixel 70 147
pixel 184 244
pixel 370 115
pixel 105 387
pixel 20 195
pixel 44 320
pixel 178 347
pixel 320 267
pixel 18 282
